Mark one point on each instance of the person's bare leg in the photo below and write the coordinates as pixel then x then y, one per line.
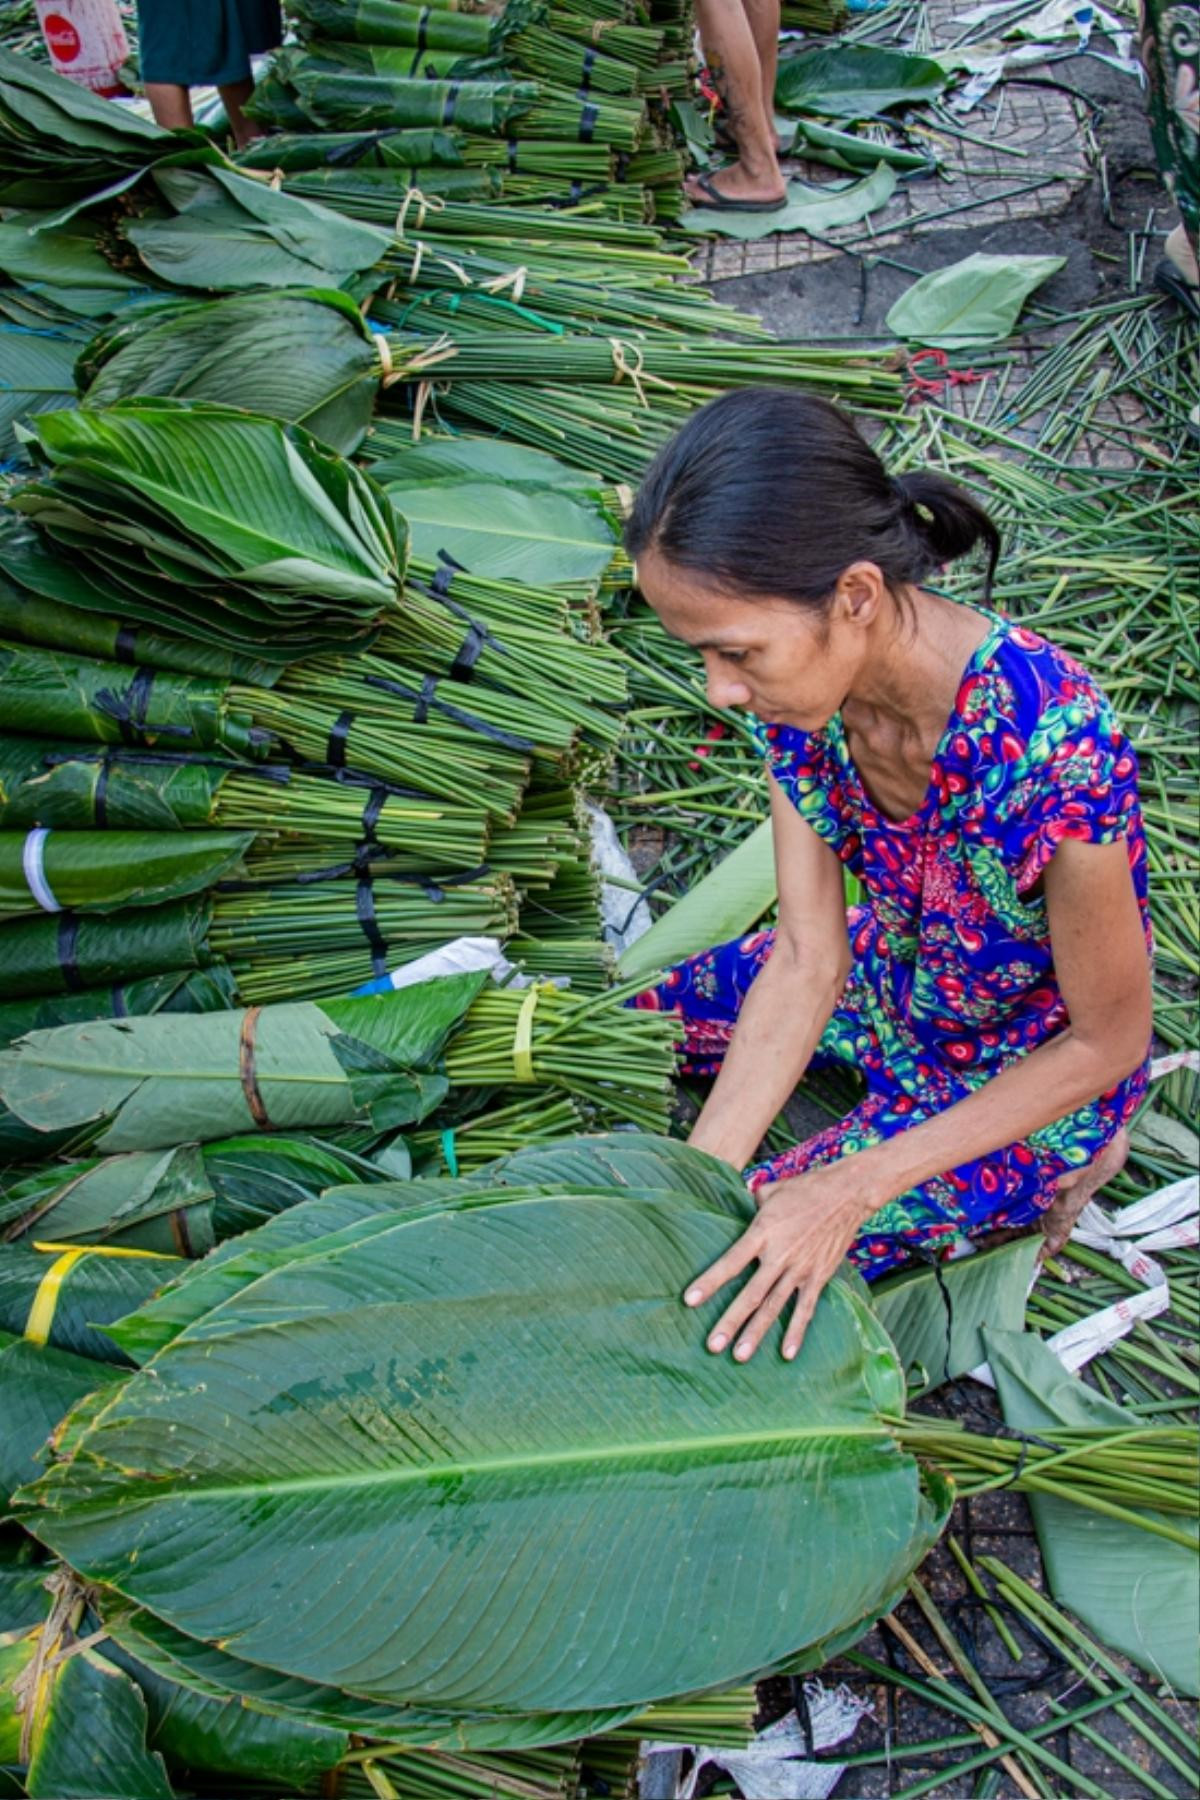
pixel 764 26
pixel 1074 1192
pixel 170 104
pixel 234 98
pixel 733 63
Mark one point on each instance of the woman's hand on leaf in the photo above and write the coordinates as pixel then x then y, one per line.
pixel 803 1230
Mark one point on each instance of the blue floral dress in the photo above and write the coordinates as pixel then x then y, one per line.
pixel 952 974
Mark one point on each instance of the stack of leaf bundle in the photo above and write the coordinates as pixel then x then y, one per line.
pixel 393 828
pixel 382 1060
pixel 552 101
pixel 55 135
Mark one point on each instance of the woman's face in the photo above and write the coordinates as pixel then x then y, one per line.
pixel 778 660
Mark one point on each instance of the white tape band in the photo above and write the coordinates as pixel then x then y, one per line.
pixel 33 860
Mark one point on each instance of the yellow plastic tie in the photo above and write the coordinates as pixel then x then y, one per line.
pixel 45 1301
pixel 523 1036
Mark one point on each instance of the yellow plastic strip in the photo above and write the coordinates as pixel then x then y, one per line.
pixel 45 1301
pixel 523 1036
pixel 110 1250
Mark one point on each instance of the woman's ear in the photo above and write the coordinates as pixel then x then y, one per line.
pixel 859 595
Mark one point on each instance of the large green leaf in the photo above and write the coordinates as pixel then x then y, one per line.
pixel 622 1159
pixel 304 357
pixel 481 459
pixel 542 538
pixel 936 1316
pixel 89 1738
pixel 1138 1592
pixel 975 301
pixel 256 503
pixel 211 1736
pixel 64 265
pixel 438 1516
pixel 813 209
pixel 35 376
pixel 216 1675
pixel 730 899
pixel 856 81
pixel 38 1388
pixel 228 231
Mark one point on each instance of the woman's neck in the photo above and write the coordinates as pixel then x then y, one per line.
pixel 911 676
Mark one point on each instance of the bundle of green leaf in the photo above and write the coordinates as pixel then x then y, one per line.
pixel 216 229
pixel 174 990
pixel 176 1202
pixel 74 789
pixel 394 22
pixel 60 142
pixel 305 89
pixel 64 872
pixel 306 357
pixel 215 524
pixel 151 1083
pixel 600 1434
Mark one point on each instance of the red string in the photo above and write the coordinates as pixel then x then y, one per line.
pixel 921 387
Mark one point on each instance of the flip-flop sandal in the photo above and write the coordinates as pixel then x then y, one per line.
pixel 716 201
pixel 1171 281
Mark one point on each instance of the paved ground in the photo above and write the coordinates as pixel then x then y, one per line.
pixel 1064 166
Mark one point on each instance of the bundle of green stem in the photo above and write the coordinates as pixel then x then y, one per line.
pixel 1117 1473
pixel 621 1062
pixel 453 1144
pixel 1154 1370
pixel 71 787
pixel 391 1772
pixel 516 271
pixel 442 756
pixel 326 938
pixel 868 381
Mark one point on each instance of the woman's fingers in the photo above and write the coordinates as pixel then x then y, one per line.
pixel 764 1317
pixel 802 1312
pixel 740 1309
pixel 738 1257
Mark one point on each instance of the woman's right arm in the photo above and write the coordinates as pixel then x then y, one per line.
pixel 790 1003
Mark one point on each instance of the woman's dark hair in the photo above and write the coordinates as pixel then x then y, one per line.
pixel 769 492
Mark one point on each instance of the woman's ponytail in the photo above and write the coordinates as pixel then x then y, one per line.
pixel 948 520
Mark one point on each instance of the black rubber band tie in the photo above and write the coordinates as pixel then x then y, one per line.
pixel 364 905
pixel 371 812
pixel 100 797
pixel 125 647
pixel 587 124
pixel 68 939
pixel 335 750
pixel 451 103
